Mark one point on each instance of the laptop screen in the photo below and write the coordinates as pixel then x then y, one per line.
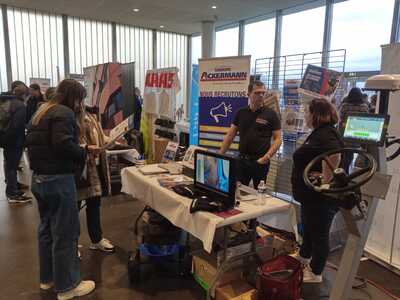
pixel 213 172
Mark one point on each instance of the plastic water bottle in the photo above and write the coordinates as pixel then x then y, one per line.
pixel 261 193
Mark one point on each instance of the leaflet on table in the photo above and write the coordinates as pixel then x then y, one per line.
pixel 169 181
pixel 118 131
pixel 170 152
pixel 319 82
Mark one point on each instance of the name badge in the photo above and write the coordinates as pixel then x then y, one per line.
pixel 261 121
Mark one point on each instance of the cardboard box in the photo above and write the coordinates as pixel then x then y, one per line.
pixel 236 290
pixel 233 252
pixel 204 269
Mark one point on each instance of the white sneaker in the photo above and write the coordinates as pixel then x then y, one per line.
pixel 301 259
pixel 310 277
pixel 104 245
pixel 84 288
pixel 46 286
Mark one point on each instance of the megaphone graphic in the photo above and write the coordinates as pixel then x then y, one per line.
pixel 220 111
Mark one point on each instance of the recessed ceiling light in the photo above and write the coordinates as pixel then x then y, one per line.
pixel 161 26
pixel 136 9
pixel 214 7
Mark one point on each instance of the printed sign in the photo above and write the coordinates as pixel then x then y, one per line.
pixel 319 82
pixel 290 92
pixel 44 83
pixel 194 106
pixel 223 86
pixel 161 88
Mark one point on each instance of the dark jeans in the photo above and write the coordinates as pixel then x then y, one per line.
pixel 58 230
pixel 12 156
pixel 316 218
pixel 93 219
pixel 251 169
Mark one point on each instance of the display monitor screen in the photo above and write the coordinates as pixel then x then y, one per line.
pixel 366 128
pixel 213 172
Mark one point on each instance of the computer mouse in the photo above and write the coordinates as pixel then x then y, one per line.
pixel 183 191
pixel 187 192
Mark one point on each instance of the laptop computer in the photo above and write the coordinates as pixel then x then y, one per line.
pixel 215 177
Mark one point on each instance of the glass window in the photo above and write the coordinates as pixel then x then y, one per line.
pixel 89 43
pixel 196 49
pixel 303 32
pixel 172 52
pixel 361 27
pixel 259 39
pixel 3 70
pixel 36 45
pixel 135 45
pixel 227 42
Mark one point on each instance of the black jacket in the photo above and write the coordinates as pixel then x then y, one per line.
pixel 53 145
pixel 31 106
pixel 321 140
pixel 15 133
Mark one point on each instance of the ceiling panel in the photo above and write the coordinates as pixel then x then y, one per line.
pixel 183 16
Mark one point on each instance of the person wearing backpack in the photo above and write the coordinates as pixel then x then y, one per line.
pixel 12 137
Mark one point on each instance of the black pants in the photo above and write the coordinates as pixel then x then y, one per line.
pixel 12 156
pixel 93 219
pixel 316 217
pixel 251 169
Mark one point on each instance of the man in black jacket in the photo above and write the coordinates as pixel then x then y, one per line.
pixel 13 140
pixel 35 99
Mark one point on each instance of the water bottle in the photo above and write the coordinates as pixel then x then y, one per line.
pixel 261 193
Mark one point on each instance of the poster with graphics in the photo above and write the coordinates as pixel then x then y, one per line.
pixel 160 90
pixel 223 86
pixel 319 82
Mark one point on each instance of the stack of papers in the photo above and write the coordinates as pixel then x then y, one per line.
pixel 151 170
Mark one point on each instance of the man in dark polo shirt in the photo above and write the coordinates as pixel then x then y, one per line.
pixel 256 125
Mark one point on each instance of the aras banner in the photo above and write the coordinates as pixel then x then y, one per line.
pixel 161 88
pixel 223 86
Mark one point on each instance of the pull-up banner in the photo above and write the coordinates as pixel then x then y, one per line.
pixel 223 86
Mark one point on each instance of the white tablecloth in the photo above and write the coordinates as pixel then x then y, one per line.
pixel 202 225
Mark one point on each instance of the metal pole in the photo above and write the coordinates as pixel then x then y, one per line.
pixel 188 76
pixel 114 41
pixel 7 49
pixel 326 45
pixel 241 38
pixel 394 37
pixel 66 45
pixel 154 49
pixel 277 49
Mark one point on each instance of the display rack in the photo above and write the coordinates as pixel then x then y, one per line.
pixel 293 66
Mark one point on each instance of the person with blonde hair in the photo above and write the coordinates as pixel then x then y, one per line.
pixel 55 154
pixel 94 183
pixel 50 93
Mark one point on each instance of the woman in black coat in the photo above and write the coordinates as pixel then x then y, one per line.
pixel 317 212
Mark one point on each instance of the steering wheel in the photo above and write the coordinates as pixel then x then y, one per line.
pixel 390 141
pixel 341 182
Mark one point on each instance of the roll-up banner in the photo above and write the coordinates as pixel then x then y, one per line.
pixel 223 86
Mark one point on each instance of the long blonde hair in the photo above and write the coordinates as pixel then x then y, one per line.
pixel 67 92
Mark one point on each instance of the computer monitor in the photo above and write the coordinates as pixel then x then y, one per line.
pixel 366 128
pixel 215 173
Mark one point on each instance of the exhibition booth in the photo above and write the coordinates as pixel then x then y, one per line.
pixel 248 235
